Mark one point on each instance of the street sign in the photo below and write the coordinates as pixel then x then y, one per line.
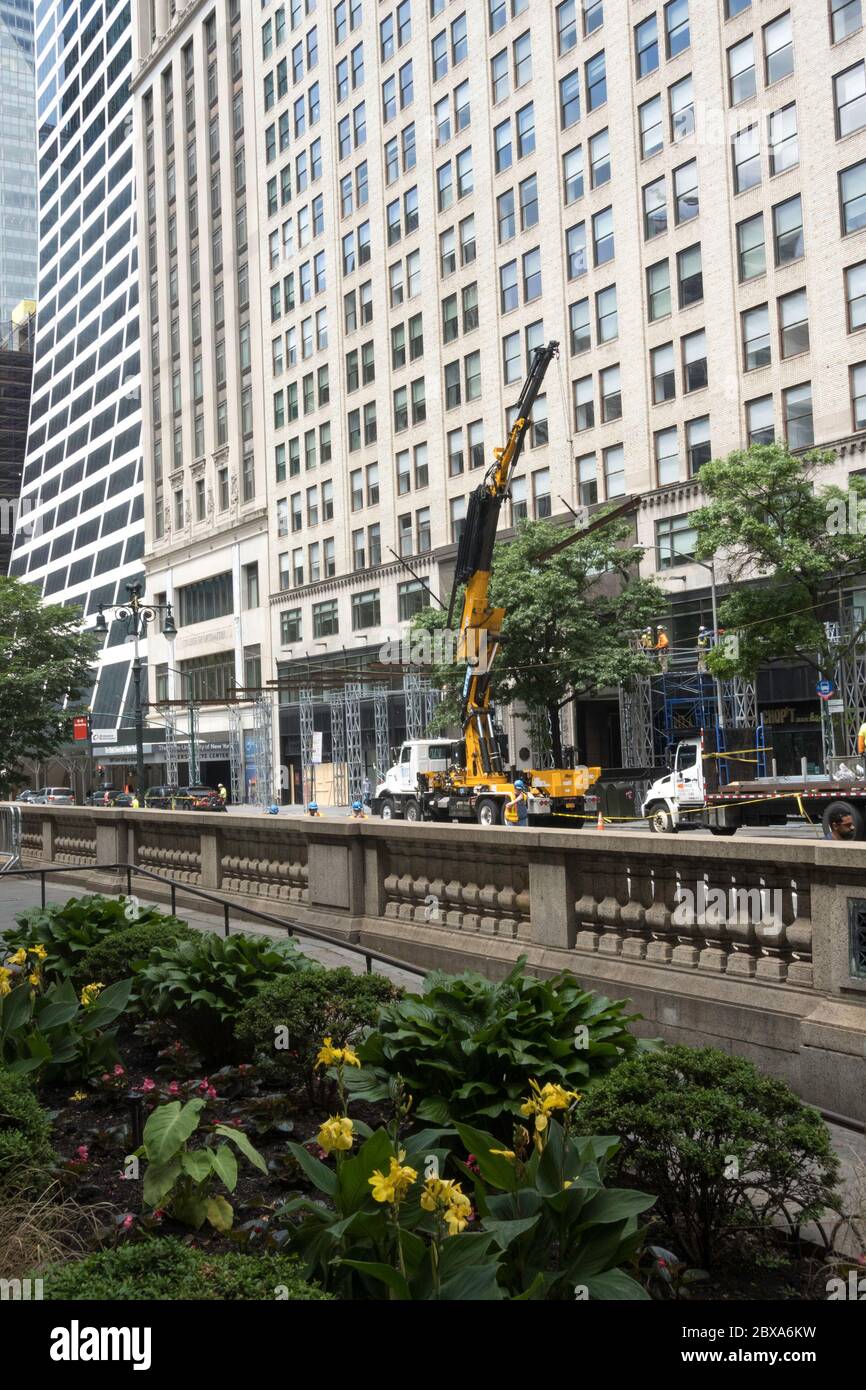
pixel 80 728
pixel 825 688
pixel 317 747
pixel 835 706
pixel 105 736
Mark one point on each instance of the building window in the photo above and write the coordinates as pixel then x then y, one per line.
pixel 614 471
pixel 664 382
pixel 655 209
pixel 290 626
pixel 651 127
pixel 587 480
pixel 858 395
pixel 677 37
pixel 788 230
pixel 799 427
pixel 541 493
pixel 667 456
pixel 325 619
pixel 855 296
pixel 611 397
pixel 686 201
pixel 659 290
pixel 849 90
pixel 698 444
pixel 579 329
pixel 852 197
pixel 760 421
pixel 366 610
pixel 846 17
pixel 778 49
pixel 784 140
pixel 751 249
pixel 606 315
pixel 584 404
pixel 794 323
pixel 251 585
pixel 412 597
pixel 747 159
pixel 742 78
pixel 646 46
pixel 756 338
pixel 676 540
pixel 695 361
pixel 690 276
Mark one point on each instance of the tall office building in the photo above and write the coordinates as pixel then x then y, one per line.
pixel 16 374
pixel 17 156
pixel 676 192
pixel 83 536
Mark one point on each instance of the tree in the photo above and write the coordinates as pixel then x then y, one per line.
pixel 793 543
pixel 569 620
pixel 45 667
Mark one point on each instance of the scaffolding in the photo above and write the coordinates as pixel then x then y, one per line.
pixel 263 737
pixel 354 755
pixel 305 698
pixel 380 722
pixel 236 755
pixel 431 700
pixel 193 759
pixel 337 702
pixel 171 758
pixel 851 690
pixel 412 691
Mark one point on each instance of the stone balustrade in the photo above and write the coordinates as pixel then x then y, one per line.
pixel 758 946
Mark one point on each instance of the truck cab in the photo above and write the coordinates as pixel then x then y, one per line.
pixel 681 788
pixel 417 787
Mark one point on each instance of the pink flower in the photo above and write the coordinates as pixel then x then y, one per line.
pixel 105 1076
pixel 173 1089
pixel 148 1084
pixel 118 1070
pixel 211 1093
pixel 83 1152
pixel 158 1214
pixel 128 1222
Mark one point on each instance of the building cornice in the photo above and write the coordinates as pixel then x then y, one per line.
pixel 247 527
pixel 340 582
pixel 142 66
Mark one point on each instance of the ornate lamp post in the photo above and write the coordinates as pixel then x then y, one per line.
pixel 137 614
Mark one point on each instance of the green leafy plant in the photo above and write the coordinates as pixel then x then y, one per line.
pixel 165 1270
pixel 286 1021
pixel 468 1046
pixel 127 951
pixel 26 1153
pixel 56 1033
pixel 68 930
pixel 203 985
pixel 182 1180
pixel 725 1149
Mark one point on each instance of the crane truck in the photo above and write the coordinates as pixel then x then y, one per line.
pixel 466 779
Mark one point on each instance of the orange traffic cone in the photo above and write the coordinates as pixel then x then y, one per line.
pixel 600 822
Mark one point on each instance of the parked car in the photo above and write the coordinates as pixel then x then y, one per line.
pixel 110 796
pixel 160 798
pixel 200 798
pixel 54 796
pixel 27 795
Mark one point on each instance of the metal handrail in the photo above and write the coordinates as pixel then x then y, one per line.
pixel 10 822
pixel 291 928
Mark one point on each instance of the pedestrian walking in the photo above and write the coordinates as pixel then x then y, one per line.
pixel 367 791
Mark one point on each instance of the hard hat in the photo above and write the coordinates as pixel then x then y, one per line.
pixel 520 785
pixel 356 806
pixel 647 629
pixel 273 810
pixel 313 806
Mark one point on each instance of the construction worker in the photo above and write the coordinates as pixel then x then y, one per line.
pixel 517 809
pixel 703 646
pixel 367 791
pixel 224 796
pixel 646 639
pixel 662 648
pixel 358 812
pixel 135 803
pixel 313 809
pixel 861 738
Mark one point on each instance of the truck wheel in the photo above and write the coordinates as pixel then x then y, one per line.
pixel 723 829
pixel 488 812
pixel 387 811
pixel 847 808
pixel 661 822
pixel 412 811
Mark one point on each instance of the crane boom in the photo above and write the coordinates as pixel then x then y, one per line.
pixel 474 565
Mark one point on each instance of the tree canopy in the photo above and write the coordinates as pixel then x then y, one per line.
pixel 45 663
pixel 792 543
pixel 570 619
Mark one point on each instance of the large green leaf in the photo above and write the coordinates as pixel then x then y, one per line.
pixel 16 1009
pixel 159 1179
pixel 225 1165
pixel 240 1140
pixel 383 1274
pixel 169 1127
pixel 504 1232
pixel 219 1213
pixel 354 1173
pixel 615 1284
pixel 495 1169
pixel 324 1178
pixel 198 1164
pixel 57 1015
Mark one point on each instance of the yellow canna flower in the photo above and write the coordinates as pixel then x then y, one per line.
pixel 39 952
pixel 35 978
pixel 393 1185
pixel 78 1095
pixel 337 1133
pixel 330 1056
pixel 447 1199
pixel 5 976
pixel 504 1153
pixel 350 1058
pixel 91 993
pixel 543 1101
pixel 19 957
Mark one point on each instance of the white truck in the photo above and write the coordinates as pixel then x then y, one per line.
pixel 415 788
pixel 699 794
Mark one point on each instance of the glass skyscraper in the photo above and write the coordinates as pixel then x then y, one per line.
pixel 82 536
pixel 17 156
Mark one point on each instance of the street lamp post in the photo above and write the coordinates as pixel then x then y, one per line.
pixel 137 614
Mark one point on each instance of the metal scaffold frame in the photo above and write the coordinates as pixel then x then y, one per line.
pixel 741 703
pixel 380 721
pixel 337 702
pixel 851 689
pixel 193 759
pixel 305 705
pixel 171 759
pixel 236 755
pixel 263 734
pixel 354 755
pixel 414 710
pixel 540 738
pixel 431 700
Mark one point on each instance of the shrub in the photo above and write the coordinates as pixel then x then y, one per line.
pixel 309 1006
pixel 125 952
pixel 67 930
pixel 165 1270
pixel 58 1033
pixel 204 984
pixel 468 1047
pixel 724 1148
pixel 25 1136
